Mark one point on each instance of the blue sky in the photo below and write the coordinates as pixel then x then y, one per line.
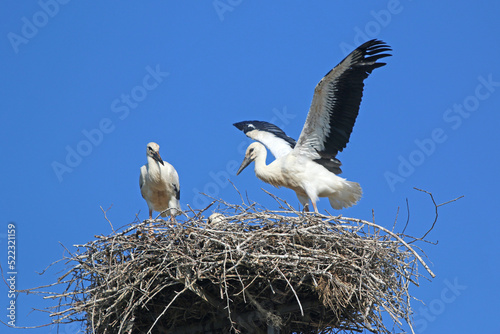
pixel 86 86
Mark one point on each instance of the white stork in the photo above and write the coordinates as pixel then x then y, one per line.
pixel 159 184
pixel 309 167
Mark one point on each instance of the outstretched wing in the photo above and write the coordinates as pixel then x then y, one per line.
pixel 268 134
pixel 335 104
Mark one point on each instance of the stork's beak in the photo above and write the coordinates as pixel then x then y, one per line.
pixel 157 157
pixel 247 161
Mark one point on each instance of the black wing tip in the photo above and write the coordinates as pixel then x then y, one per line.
pixel 177 191
pixel 371 51
pixel 374 48
pixel 240 125
pixel 367 54
pixel 255 125
pixel 247 126
pixel 375 43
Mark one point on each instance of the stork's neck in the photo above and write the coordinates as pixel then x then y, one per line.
pixel 154 170
pixel 267 173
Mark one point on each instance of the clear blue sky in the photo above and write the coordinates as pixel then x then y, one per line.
pixel 86 86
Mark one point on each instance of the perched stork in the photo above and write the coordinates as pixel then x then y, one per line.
pixel 309 166
pixel 159 184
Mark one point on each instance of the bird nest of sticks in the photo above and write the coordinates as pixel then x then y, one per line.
pixel 245 269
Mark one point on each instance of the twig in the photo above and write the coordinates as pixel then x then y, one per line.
pixel 177 294
pixel 436 206
pixel 293 290
pixel 407 215
pixel 105 217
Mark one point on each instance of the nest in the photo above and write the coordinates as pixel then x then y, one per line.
pixel 246 269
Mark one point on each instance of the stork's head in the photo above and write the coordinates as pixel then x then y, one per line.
pixel 253 150
pixel 153 151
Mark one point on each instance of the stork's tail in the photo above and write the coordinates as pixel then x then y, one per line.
pixel 346 197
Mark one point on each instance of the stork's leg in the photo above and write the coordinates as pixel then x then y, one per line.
pixel 150 221
pixel 304 201
pixel 314 206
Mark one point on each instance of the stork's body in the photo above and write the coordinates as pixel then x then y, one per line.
pixel 307 178
pixel 159 184
pixel 309 166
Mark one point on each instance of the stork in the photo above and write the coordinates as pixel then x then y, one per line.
pixel 309 166
pixel 159 184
